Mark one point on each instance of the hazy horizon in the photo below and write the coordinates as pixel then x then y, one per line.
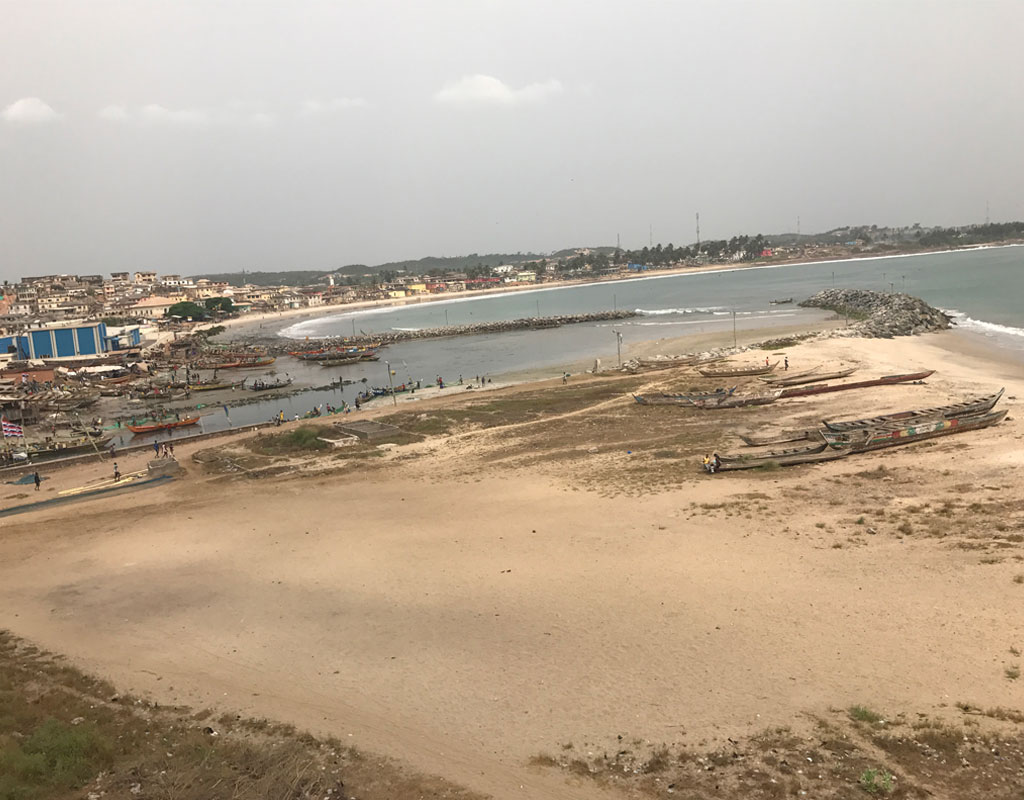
pixel 187 137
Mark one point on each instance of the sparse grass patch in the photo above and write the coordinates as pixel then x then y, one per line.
pixel 1018 578
pixel 876 781
pixel 859 521
pixel 864 714
pixel 1012 672
pixel 301 440
pixel 905 528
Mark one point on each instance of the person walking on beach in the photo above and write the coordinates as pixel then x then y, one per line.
pixel 785 366
pixel 37 480
pixel 156 449
pixel 117 473
pixel 170 449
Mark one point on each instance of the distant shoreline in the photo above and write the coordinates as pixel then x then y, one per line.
pixel 369 306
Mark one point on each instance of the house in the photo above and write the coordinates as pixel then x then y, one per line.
pixel 151 307
pixel 67 340
pixel 144 278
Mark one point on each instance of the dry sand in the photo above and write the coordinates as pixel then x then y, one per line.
pixel 470 601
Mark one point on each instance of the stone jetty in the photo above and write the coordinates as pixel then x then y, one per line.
pixel 529 323
pixel 880 315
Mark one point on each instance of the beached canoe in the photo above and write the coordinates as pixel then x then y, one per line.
pixel 737 401
pixel 862 441
pixel 739 372
pixel 979 405
pixel 797 380
pixel 160 426
pixel 826 388
pixel 665 399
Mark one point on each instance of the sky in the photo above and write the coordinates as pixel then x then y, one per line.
pixel 212 136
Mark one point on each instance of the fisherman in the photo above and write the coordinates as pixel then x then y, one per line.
pixel 156 449
pixel 717 463
pixel 37 480
pixel 170 449
pixel 785 366
pixel 117 473
pixel 766 362
pixel 707 463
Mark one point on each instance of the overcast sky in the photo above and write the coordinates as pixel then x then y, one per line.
pixel 211 136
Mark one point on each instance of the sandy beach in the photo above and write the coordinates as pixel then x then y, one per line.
pixel 544 567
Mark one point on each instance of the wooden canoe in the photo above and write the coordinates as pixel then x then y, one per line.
pixel 861 441
pixel 796 380
pixel 681 399
pixel 737 373
pixel 966 408
pixel 160 426
pixel 826 388
pixel 737 401
pixel 782 437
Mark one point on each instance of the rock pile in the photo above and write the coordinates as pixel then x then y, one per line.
pixel 882 315
pixel 530 323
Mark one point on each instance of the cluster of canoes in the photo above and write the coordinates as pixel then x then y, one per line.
pixel 337 356
pixel 842 438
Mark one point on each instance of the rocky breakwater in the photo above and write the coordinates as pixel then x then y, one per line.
pixel 501 326
pixel 880 315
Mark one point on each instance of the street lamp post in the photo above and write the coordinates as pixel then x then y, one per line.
pixel 391 383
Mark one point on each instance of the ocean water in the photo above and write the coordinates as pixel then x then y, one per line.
pixel 982 289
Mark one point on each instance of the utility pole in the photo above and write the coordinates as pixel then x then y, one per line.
pixel 538 309
pixel 391 383
pixel 618 242
pixel 618 345
pixel 615 302
pixel 446 317
pixel 904 279
pixel 698 233
pixel 734 328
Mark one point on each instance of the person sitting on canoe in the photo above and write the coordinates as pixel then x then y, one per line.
pixel 716 463
pixel 707 463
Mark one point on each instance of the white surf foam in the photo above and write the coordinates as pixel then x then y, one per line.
pixel 983 327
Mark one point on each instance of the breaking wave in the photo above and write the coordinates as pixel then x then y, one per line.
pixel 980 326
pixel 656 312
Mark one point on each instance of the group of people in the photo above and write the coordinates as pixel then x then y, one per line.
pixel 712 463
pixel 165 450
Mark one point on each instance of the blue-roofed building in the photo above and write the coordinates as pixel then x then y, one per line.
pixel 71 340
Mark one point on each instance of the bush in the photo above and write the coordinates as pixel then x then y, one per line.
pixel 55 755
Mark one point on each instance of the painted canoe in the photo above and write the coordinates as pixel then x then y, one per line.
pixel 160 426
pixel 862 441
pixel 966 408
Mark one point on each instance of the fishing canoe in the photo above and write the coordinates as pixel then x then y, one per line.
pixel 788 375
pixel 338 362
pixel 160 426
pixel 796 380
pixel 966 408
pixel 665 399
pixel 797 455
pixel 253 364
pixel 780 302
pixel 209 387
pixel 862 441
pixel 738 373
pixel 737 401
pixel 826 388
pixel 783 437
pixel 262 386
